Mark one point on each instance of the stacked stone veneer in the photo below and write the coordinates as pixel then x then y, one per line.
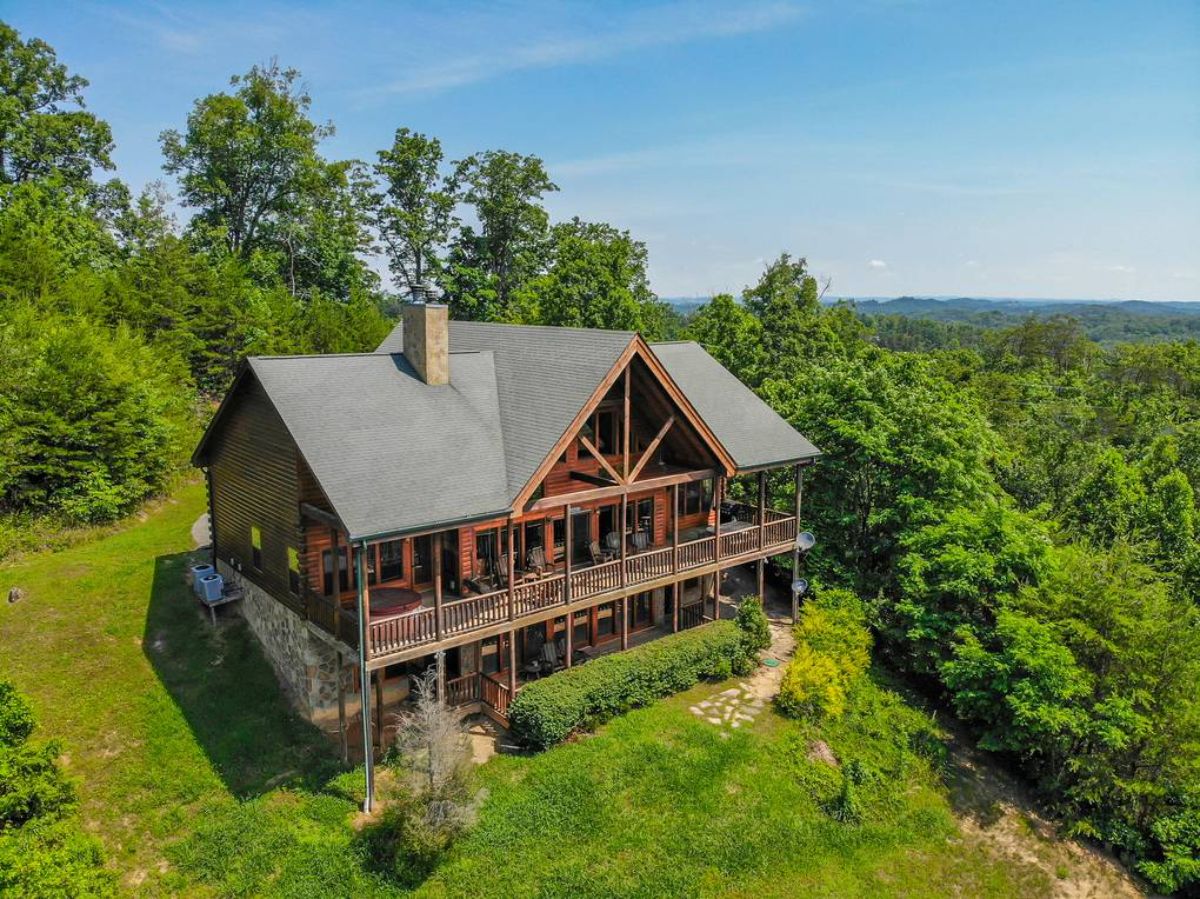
pixel 303 656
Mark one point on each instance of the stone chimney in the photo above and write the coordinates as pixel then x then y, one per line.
pixel 427 341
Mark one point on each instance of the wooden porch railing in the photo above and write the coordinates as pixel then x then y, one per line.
pixel 691 616
pixel 534 595
pixel 463 689
pixel 697 553
pixel 780 528
pixel 598 579
pixel 393 634
pixel 737 543
pixel 475 611
pixel 459 616
pixel 494 693
pixel 648 565
pixel 320 611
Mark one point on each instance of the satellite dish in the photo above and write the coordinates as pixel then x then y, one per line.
pixel 799 586
pixel 805 541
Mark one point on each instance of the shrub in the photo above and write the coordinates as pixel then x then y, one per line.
pixel 16 717
pixel 92 419
pixel 833 650
pixel 42 850
pixel 835 625
pixel 753 621
pixel 547 711
pixel 52 858
pixel 812 686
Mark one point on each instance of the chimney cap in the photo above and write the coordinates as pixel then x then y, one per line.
pixel 427 293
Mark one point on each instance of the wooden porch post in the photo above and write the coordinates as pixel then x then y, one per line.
pixel 437 585
pixel 379 706
pixel 718 499
pixel 570 635
pixel 625 622
pixel 568 550
pixel 674 528
pixel 796 548
pixel 335 564
pixel 364 682
pixel 627 429
pixel 512 663
pixel 341 700
pixel 512 571
pixel 761 568
pixel 762 508
pixel 677 587
pixel 621 532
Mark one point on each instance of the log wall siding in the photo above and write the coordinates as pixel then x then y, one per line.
pixel 253 473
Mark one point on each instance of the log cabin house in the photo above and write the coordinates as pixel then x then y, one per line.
pixel 495 500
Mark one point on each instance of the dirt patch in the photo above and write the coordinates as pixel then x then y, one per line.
pixel 996 812
pixel 819 751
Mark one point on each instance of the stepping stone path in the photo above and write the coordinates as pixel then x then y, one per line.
pixel 740 705
pixel 736 706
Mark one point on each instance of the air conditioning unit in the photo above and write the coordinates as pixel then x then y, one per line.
pixel 212 587
pixel 197 573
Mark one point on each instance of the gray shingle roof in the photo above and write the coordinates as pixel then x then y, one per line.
pixel 544 376
pixel 391 452
pixel 752 432
pixel 394 454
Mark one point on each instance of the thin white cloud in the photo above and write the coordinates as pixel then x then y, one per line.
pixel 194 31
pixel 877 264
pixel 1122 269
pixel 657 27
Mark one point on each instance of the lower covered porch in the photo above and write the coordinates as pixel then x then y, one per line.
pixel 482 676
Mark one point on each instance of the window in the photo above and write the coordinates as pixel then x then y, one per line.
pixel 695 497
pixel 293 570
pixel 640 516
pixel 560 536
pixel 534 536
pixel 256 547
pixel 489 545
pixel 606 620
pixel 327 571
pixel 582 635
pixel 607 434
pixel 609 539
pixel 643 610
pixel 491 658
pixel 391 560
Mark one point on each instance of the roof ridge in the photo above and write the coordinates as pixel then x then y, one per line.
pixel 570 328
pixel 377 353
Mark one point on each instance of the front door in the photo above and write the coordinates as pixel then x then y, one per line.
pixel 422 559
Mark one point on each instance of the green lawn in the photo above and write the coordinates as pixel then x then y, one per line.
pixel 200 781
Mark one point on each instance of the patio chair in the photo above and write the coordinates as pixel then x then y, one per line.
pixel 599 556
pixel 640 541
pixel 612 542
pixel 536 560
pixel 549 658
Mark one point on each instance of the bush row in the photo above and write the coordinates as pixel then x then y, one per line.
pixel 547 711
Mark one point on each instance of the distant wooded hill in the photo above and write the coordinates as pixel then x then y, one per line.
pixel 1104 321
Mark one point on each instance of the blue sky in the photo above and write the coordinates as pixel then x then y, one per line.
pixel 998 149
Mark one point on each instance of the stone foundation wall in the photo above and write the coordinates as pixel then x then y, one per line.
pixel 303 657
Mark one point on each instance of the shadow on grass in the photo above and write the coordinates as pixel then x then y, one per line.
pixel 227 692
